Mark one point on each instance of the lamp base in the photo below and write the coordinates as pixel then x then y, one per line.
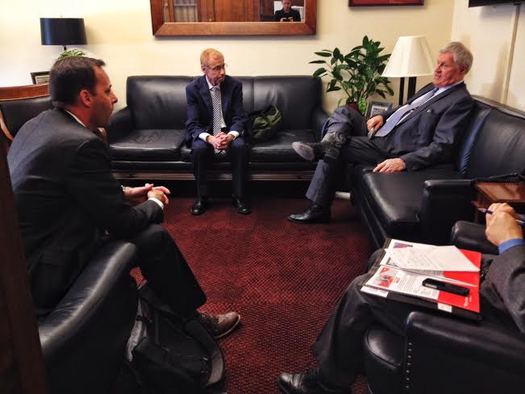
pixel 411 88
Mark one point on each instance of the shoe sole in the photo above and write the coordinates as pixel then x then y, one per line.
pixel 303 150
pixel 232 328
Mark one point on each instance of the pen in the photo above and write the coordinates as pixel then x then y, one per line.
pixel 445 286
pixel 520 218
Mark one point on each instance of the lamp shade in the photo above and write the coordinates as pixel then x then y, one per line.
pixel 62 31
pixel 410 58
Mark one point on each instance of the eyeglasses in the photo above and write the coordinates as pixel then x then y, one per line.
pixel 218 67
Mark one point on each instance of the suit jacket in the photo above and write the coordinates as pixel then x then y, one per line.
pixel 430 134
pixel 504 287
pixel 66 198
pixel 200 109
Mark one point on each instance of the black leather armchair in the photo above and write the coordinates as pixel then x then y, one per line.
pixel 83 339
pixel 424 205
pixel 441 354
pixel 18 104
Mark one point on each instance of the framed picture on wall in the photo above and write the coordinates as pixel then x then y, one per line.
pixel 377 107
pixel 368 3
pixel 39 77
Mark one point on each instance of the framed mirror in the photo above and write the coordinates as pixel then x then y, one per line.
pixel 229 18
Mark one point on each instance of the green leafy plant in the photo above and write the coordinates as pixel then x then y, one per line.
pixel 72 52
pixel 357 74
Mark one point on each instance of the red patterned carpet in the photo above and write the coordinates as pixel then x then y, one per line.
pixel 283 279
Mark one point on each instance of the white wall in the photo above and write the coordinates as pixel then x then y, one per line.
pixel 499 62
pixel 120 33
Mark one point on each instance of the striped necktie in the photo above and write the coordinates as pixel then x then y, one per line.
pixel 403 111
pixel 217 109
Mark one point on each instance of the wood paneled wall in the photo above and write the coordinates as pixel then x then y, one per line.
pixel 21 364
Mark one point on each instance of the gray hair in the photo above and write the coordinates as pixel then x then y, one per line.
pixel 462 56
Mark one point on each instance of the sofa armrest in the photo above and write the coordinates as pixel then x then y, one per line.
pixel 120 124
pixel 444 202
pixel 318 120
pixel 449 355
pixel 468 235
pixel 84 337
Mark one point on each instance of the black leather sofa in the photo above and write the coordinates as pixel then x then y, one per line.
pixel 424 205
pixel 147 137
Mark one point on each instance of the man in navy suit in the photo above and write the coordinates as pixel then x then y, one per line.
pixel 424 132
pixel 215 127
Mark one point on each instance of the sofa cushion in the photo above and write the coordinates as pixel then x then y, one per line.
pixel 396 198
pixel 279 148
pixel 157 102
pixel 296 97
pixel 149 144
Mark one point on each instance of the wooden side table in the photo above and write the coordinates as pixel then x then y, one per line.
pixel 513 193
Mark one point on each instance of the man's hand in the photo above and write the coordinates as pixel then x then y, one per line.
pixel 501 224
pixel 391 165
pixel 374 123
pixel 137 195
pixel 160 194
pixel 220 141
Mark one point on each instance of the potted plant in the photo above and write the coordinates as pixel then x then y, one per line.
pixel 357 74
pixel 72 52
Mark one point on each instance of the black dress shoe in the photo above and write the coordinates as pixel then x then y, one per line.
pixel 314 214
pixel 306 383
pixel 241 205
pixel 199 206
pixel 308 151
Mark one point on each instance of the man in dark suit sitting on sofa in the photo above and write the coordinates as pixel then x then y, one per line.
pixel 338 348
pixel 215 124
pixel 421 133
pixel 68 201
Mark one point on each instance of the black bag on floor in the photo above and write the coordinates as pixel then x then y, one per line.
pixel 171 355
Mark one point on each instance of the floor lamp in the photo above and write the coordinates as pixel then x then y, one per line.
pixel 410 58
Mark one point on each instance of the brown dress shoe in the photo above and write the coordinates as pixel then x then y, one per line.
pixel 306 383
pixel 220 325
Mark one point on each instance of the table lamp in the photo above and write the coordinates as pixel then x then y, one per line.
pixel 411 58
pixel 62 31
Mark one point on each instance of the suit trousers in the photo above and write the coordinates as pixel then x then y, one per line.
pixel 202 155
pixel 356 150
pixel 346 126
pixel 166 270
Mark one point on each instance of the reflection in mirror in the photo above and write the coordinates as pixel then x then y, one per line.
pixel 233 17
pixel 232 10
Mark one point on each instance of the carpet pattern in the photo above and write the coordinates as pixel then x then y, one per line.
pixel 283 278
